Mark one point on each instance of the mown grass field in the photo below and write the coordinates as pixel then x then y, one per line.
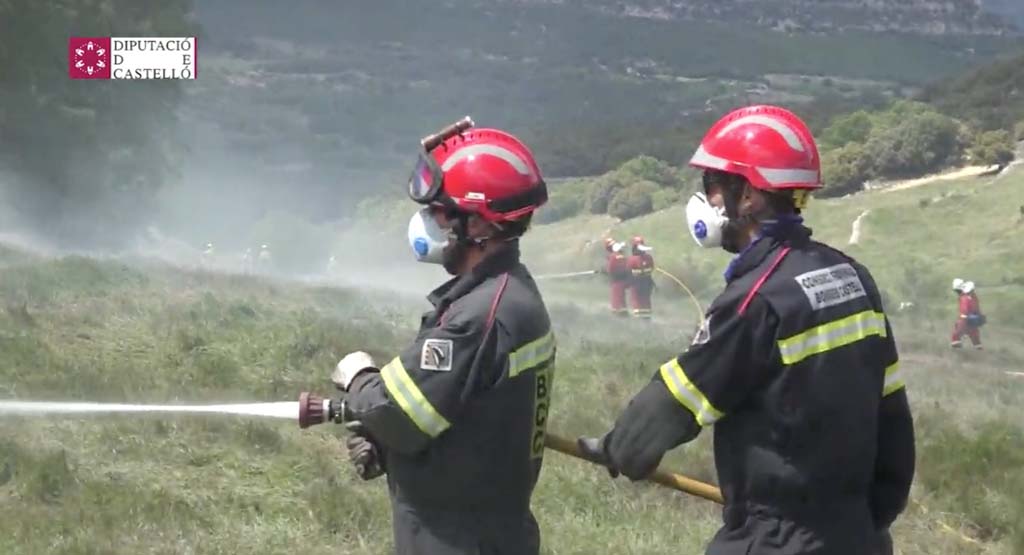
pixel 75 328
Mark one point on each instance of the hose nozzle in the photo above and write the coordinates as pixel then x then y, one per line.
pixel 314 409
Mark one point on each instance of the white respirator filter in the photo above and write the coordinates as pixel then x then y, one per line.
pixel 705 221
pixel 426 238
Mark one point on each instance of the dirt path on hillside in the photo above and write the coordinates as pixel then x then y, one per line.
pixel 960 173
pixel 969 171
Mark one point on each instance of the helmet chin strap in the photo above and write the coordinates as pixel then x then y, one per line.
pixel 461 242
pixel 462 237
pixel 461 229
pixel 732 232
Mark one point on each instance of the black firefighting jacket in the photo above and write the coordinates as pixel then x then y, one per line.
pixel 797 368
pixel 461 413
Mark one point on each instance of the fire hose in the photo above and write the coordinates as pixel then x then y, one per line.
pixel 317 410
pixel 567 275
pixel 662 477
pixel 679 282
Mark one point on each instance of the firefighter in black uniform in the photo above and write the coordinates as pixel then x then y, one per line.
pixel 795 364
pixel 457 420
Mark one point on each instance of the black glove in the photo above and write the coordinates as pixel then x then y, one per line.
pixel 593 449
pixel 363 453
pixel 653 423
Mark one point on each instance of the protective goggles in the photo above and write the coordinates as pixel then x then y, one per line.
pixel 427 179
pixel 800 197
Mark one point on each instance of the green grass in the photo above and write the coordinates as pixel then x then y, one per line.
pixel 80 329
pixel 914 242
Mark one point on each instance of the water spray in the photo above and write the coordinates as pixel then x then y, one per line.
pixel 286 409
pixel 310 410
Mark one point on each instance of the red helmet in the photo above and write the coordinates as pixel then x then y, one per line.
pixel 608 242
pixel 770 146
pixel 484 171
pixel 638 240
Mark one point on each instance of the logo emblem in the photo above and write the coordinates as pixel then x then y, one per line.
pixel 700 229
pixel 704 333
pixel 421 246
pixel 436 355
pixel 89 58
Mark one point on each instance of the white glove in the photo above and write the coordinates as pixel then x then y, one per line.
pixel 350 367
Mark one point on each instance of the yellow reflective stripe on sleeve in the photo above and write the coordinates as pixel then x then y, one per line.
pixel 893 380
pixel 408 396
pixel 832 335
pixel 531 355
pixel 687 393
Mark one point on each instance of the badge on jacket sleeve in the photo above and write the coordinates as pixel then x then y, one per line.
pixel 704 333
pixel 436 355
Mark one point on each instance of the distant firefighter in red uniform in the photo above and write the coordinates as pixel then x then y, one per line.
pixel 617 268
pixel 641 268
pixel 970 318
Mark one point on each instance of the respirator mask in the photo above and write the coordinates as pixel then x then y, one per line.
pixel 427 239
pixel 706 223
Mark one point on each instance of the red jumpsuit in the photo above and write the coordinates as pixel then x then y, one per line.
pixel 968 305
pixel 641 267
pixel 618 271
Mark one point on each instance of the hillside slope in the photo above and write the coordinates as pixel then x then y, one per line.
pixel 74 328
pixel 915 242
pixel 919 16
pixel 333 96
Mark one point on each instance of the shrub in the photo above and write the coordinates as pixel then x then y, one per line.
pixel 666 198
pixel 844 170
pixel 648 168
pixel 634 200
pixel 993 148
pixel 602 191
pixel 559 207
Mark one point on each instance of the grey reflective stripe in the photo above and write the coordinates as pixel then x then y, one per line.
pixel 531 355
pixel 776 176
pixel 893 379
pixel 505 154
pixel 404 391
pixel 688 394
pixel 705 158
pixel 832 335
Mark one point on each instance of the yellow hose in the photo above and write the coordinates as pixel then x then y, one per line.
pixel 700 311
pixel 660 476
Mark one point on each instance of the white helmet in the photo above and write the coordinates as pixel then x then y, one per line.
pixel 968 287
pixel 958 284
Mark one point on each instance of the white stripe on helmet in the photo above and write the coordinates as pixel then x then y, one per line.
pixel 705 158
pixel 505 154
pixel 780 127
pixel 777 176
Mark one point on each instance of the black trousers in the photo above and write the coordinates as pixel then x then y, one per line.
pixel 420 531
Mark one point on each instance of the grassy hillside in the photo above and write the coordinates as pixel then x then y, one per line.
pixel 914 241
pixel 74 328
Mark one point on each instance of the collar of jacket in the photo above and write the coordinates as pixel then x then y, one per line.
pixel 497 263
pixel 789 229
